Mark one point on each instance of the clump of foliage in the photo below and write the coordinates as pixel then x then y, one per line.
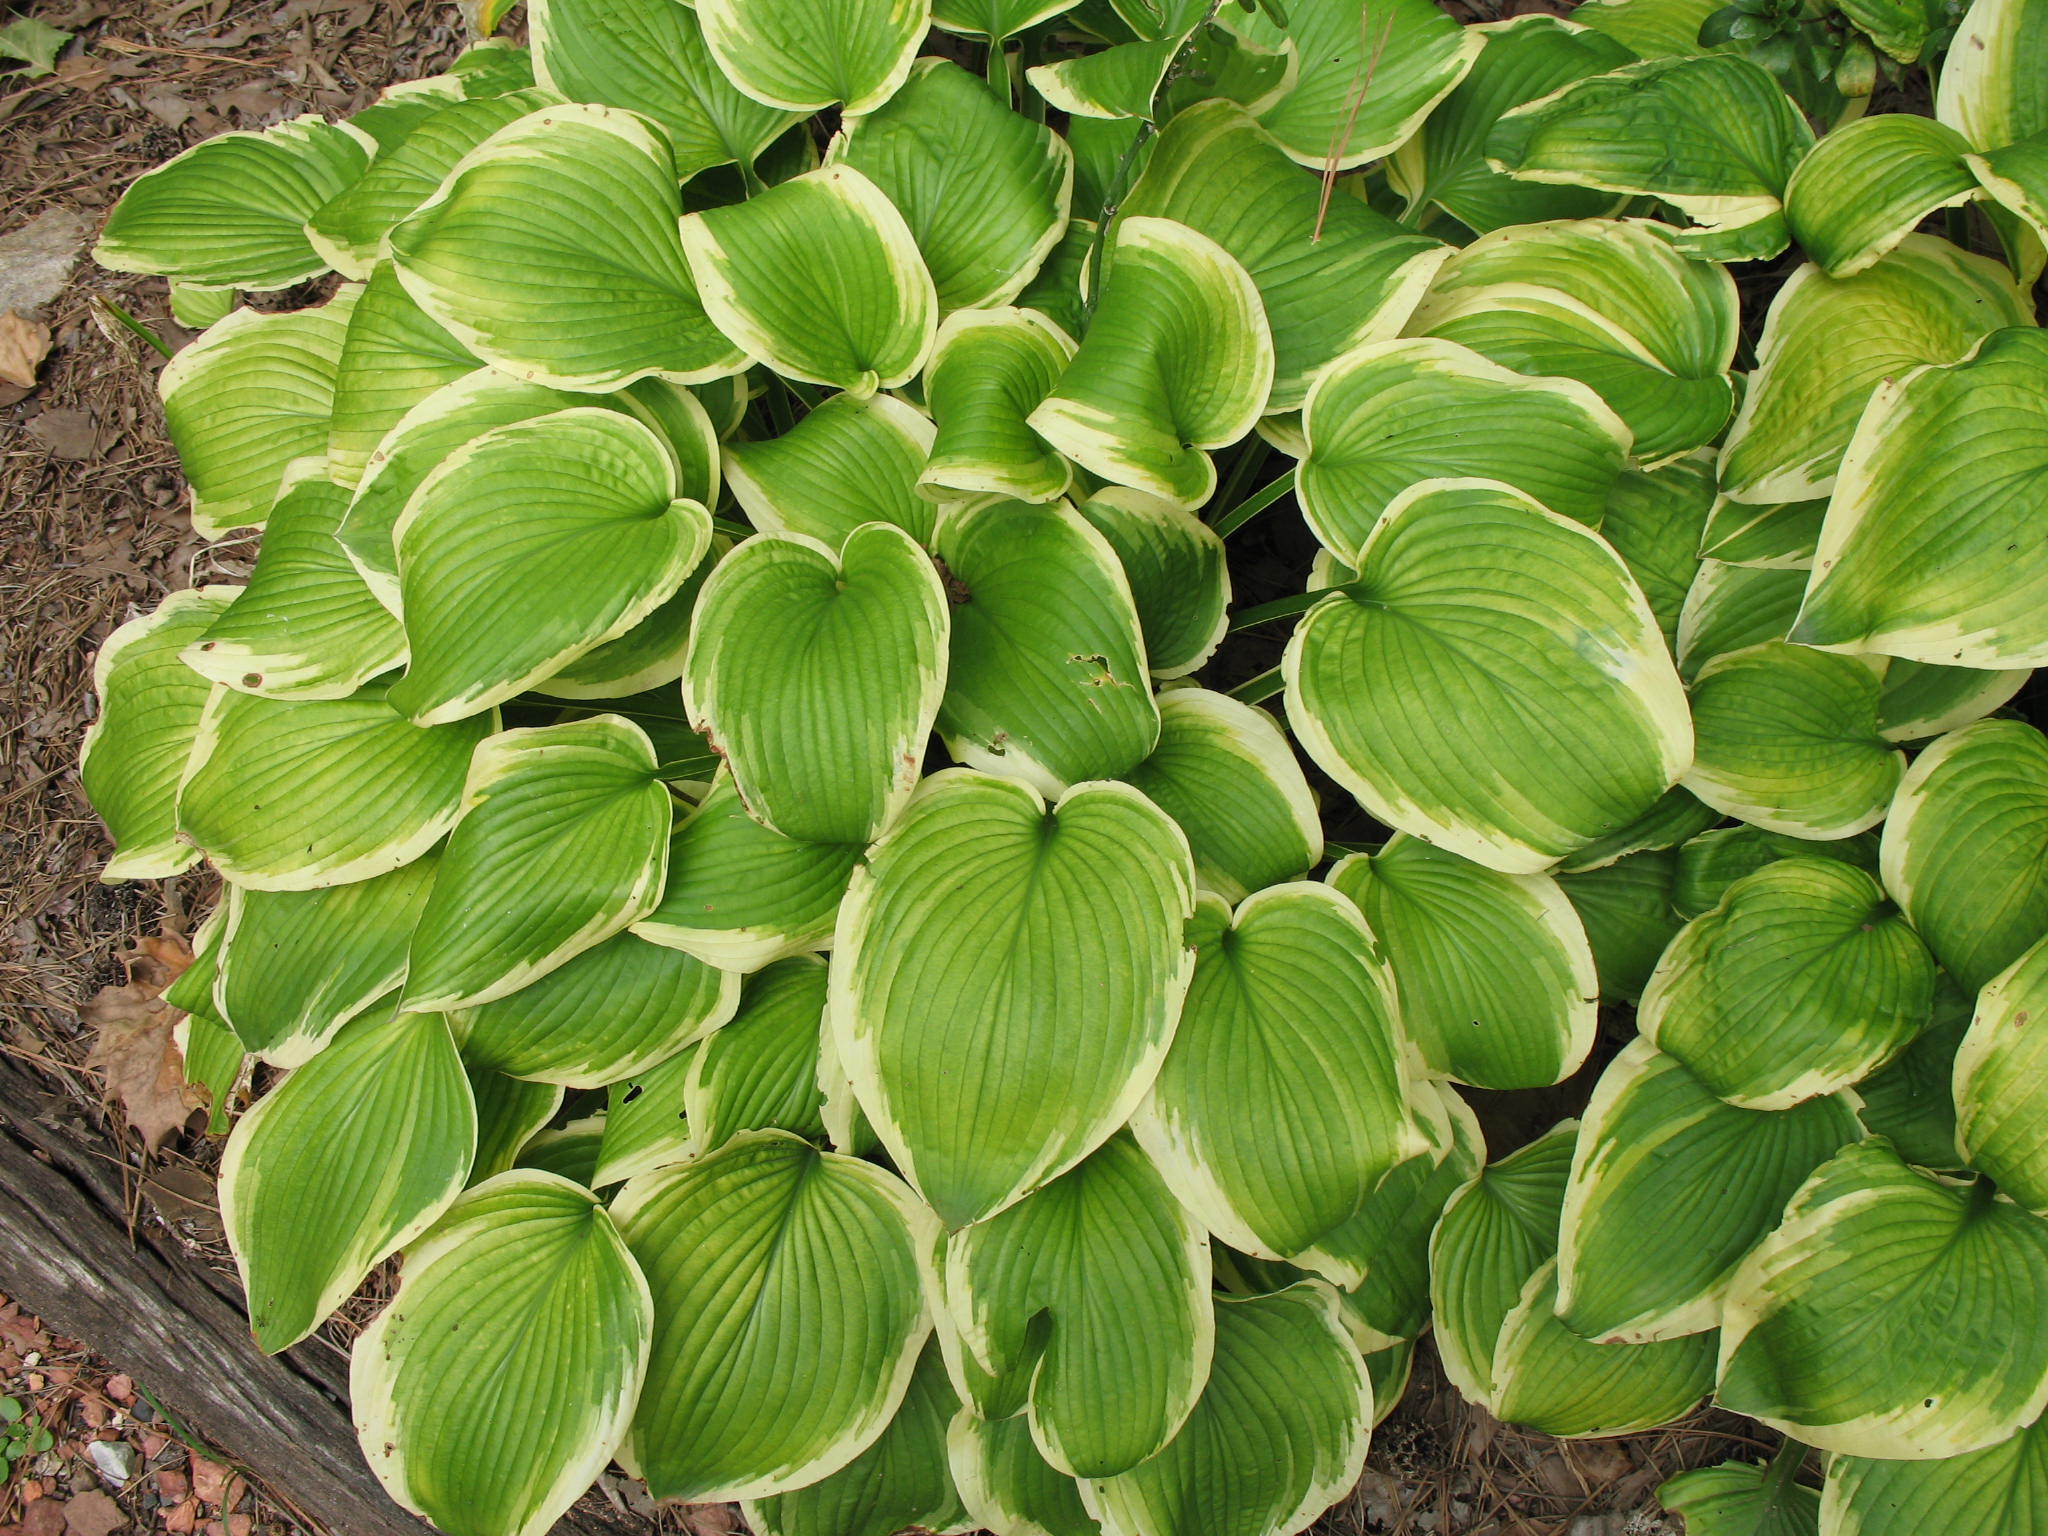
pixel 1071 1140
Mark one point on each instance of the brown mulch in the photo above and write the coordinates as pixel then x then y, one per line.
pixel 93 530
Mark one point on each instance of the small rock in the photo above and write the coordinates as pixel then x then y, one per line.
pixel 115 1459
pixel 121 1388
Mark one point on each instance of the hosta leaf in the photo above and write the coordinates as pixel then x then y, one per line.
pixel 1712 862
pixel 850 461
pixel 230 212
pixel 1653 520
pixel 523 1304
pixel 820 278
pixel 1740 135
pixel 213 1062
pixel 1392 413
pixel 650 57
pixel 1175 565
pixel 1008 1488
pixel 1494 1235
pixel 1046 679
pixel 290 795
pixel 1670 1188
pixel 993 19
pixel 1966 849
pixel 2016 178
pixel 738 895
pixel 761 1070
pixel 1280 1105
pixel 1227 774
pixel 1911 1101
pixel 1827 342
pixel 645 662
pixel 306 626
pixel 988 371
pixel 1731 608
pixel 529 546
pixel 1414 55
pixel 1096 1288
pixel 1217 171
pixel 788 1315
pixel 901 1482
pixel 247 399
pixel 1279 1435
pixel 150 705
pixel 352 1156
pixel 996 1040
pixel 984 190
pixel 493 65
pixel 297 965
pixel 509 1113
pixel 1625 908
pixel 1652 29
pixel 1788 739
pixel 563 842
pixel 2001 1083
pixel 1738 1498
pixel 507 256
pixel 801 56
pixel 1880 1319
pixel 393 356
pixel 1122 81
pixel 1863 188
pixel 817 677
pixel 1993 1492
pixel 1804 979
pixel 1444 161
pixel 570 1152
pixel 1178 360
pixel 1614 304
pixel 1056 291
pixel 1492 598
pixel 1548 1378
pixel 1675 819
pixel 350 229
pixel 1492 972
pixel 1917 557
pixel 1766 534
pixel 612 1012
pixel 1923 698
pixel 1992 92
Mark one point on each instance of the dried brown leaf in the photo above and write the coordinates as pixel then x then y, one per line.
pixel 23 346
pixel 134 1046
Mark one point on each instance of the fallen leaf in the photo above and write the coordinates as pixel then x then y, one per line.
pixel 82 73
pixel 23 346
pixel 135 1048
pixel 167 107
pixel 36 259
pixel 93 1514
pixel 34 42
pixel 258 104
pixel 66 433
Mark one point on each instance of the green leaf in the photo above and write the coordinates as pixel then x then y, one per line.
pixel 563 842
pixel 1369 75
pixel 739 896
pixel 1278 1437
pixel 306 626
pixel 245 401
pixel 850 461
pixel 989 369
pixel 761 1070
pixel 650 57
pixel 230 212
pixel 1741 136
pixel 508 256
pixel 1712 862
pixel 1883 1317
pixel 1990 89
pixel 531 545
pixel 1654 521
pixel 521 1304
pixel 491 66
pixel 1615 304
pixel 1670 1188
pixel 1772 535
pixel 788 1315
pixel 1122 81
pixel 1175 565
pixel 1495 1234
pixel 1227 774
pixel 1007 1487
pixel 1493 599
pixel 2016 177
pixel 1917 557
pixel 149 708
pixel 1652 29
pixel 297 965
pixel 1966 848
pixel 1828 341
pixel 198 308
pixel 1177 360
pixel 35 43
pixel 1492 972
pixel 569 1152
pixel 351 1157
pixel 1911 1101
pixel 994 1041
pixel 1046 679
pixel 802 56
pixel 1056 291
pixel 643 665
pixel 1863 188
pixel 1675 819
pixel 509 1114
pixel 1992 1492
pixel 984 190
pixel 350 229
pixel 291 795
pixel 819 277
pixel 992 19
pixel 1732 608
pixel 1331 273
pixel 1626 910
pixel 1393 413
pixel 1095 1289
pixel 1739 1498
pixel 392 357
pixel 2001 1084
pixel 817 677
pixel 213 1060
pixel 1922 699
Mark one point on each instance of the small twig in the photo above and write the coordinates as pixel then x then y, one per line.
pixel 1341 140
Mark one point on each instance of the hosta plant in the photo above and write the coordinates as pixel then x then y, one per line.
pixel 748 859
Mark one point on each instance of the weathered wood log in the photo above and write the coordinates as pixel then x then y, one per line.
pixel 176 1325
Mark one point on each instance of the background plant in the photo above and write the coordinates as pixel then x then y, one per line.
pixel 670 465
